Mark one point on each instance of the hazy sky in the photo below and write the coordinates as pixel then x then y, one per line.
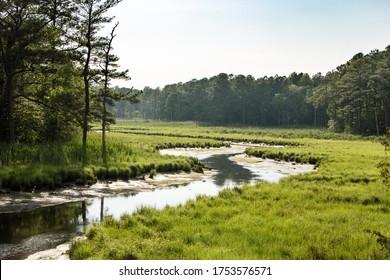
pixel 170 41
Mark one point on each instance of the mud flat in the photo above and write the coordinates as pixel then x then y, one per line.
pixel 268 166
pixel 21 201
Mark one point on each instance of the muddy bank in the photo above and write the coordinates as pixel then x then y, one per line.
pixel 91 204
pixel 201 153
pixel 268 165
pixel 58 253
pixel 266 169
pixel 22 201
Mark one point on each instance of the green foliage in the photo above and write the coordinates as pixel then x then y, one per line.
pixel 262 222
pixel 382 240
pixel 283 156
pixel 303 217
pixel 28 167
pixel 132 152
pixel 384 165
pixel 340 211
pixel 355 95
pixel 352 98
pixel 264 135
pixel 32 76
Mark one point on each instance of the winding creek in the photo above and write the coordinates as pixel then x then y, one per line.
pixel 25 231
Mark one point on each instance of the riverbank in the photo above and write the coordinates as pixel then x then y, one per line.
pixel 45 204
pixel 34 168
pixel 61 252
pixel 272 169
pixel 338 212
pixel 158 182
pixel 12 201
pixel 58 253
pixel 23 201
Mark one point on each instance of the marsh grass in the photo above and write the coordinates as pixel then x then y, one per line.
pixel 262 222
pixel 340 211
pixel 47 166
pixel 194 129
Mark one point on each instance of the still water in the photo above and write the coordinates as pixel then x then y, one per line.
pixel 24 233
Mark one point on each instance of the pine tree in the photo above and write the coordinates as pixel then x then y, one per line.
pixel 106 96
pixel 92 17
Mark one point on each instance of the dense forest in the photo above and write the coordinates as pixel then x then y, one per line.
pixel 353 98
pixel 56 68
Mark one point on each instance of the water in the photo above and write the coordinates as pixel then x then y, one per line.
pixel 24 233
pixel 27 232
pixel 230 174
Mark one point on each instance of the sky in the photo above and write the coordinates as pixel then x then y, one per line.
pixel 163 42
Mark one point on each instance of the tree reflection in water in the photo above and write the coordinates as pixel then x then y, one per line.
pixel 229 173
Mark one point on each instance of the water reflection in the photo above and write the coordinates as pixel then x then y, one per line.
pixel 229 173
pixel 27 232
pixel 16 226
pixel 33 244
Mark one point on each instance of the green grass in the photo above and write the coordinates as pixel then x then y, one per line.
pixel 25 168
pixel 262 222
pixel 340 211
pixel 194 129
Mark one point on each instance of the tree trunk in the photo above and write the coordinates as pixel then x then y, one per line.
pixel 385 107
pixel 243 112
pixel 325 118
pixel 359 115
pixel 376 121
pixel 9 89
pixel 104 149
pixel 85 122
pixel 102 209
pixel 86 87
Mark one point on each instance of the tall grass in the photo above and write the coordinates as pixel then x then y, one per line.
pixel 340 211
pixel 262 222
pixel 50 166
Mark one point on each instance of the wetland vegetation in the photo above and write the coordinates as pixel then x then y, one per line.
pixel 341 211
pixel 57 129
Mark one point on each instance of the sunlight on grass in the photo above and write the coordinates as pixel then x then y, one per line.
pixel 341 211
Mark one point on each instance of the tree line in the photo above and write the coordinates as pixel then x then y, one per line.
pixel 56 69
pixel 352 98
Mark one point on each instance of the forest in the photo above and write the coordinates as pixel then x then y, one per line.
pixel 56 70
pixel 352 98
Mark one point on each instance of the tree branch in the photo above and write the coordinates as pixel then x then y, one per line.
pixel 36 101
